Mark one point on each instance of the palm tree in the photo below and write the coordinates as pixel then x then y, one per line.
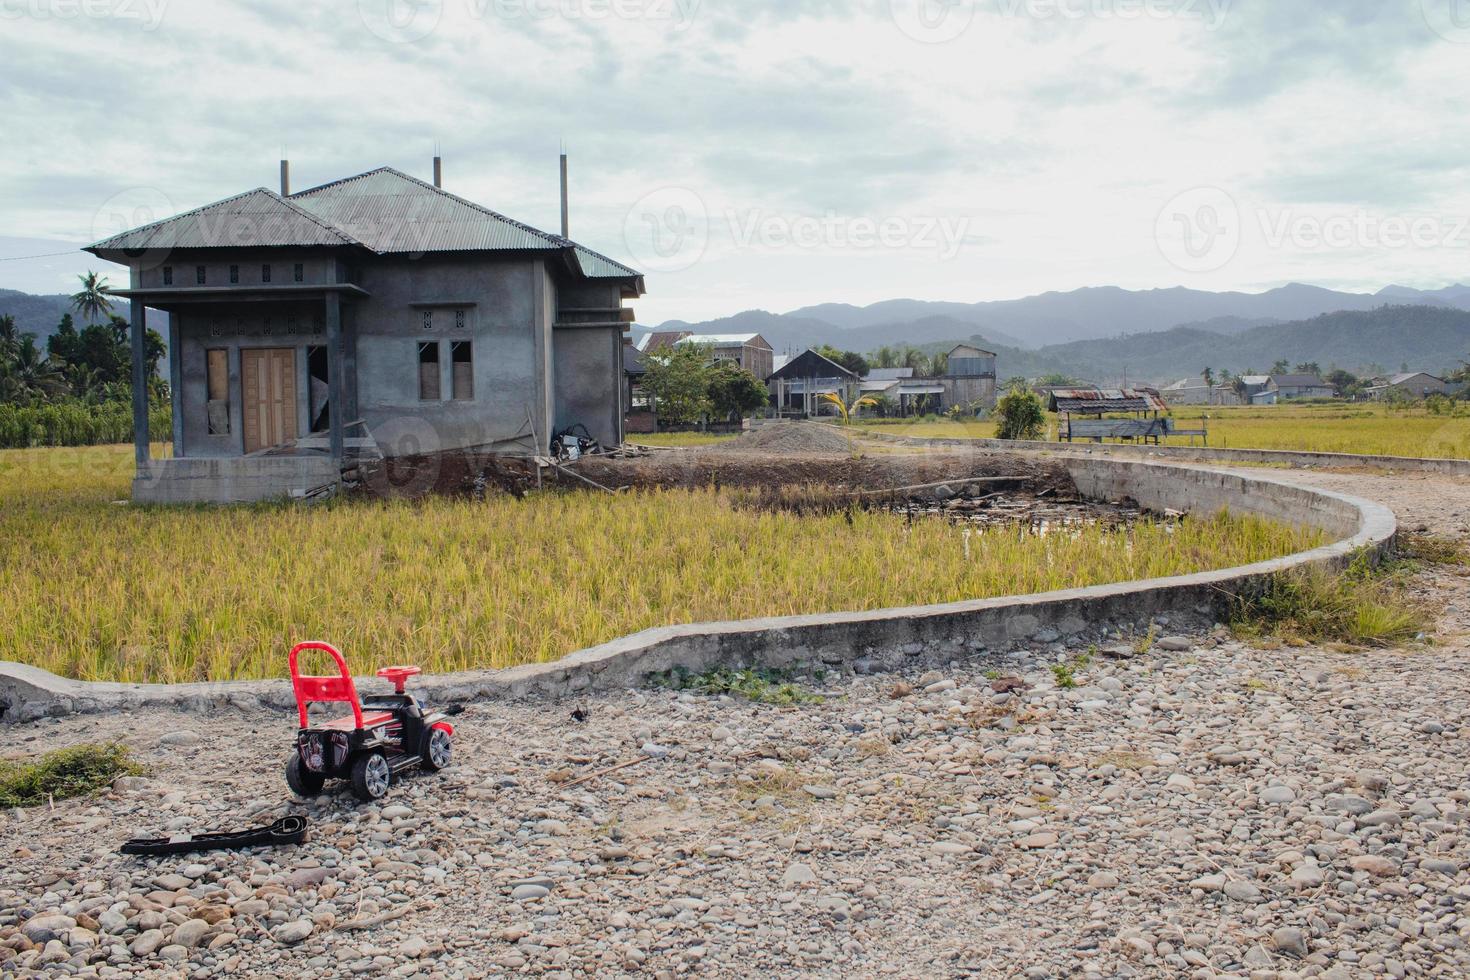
pixel 846 410
pixel 9 337
pixel 31 375
pixel 92 301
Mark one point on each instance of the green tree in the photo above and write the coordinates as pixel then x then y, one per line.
pixel 101 355
pixel 883 357
pixel 29 376
pixel 92 300
pixel 851 360
pixel 678 380
pixel 1309 367
pixel 1344 381
pixel 1021 415
pixel 1282 366
pixel 9 336
pixel 734 392
pixel 1209 377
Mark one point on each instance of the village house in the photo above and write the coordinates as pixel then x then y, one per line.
pixel 750 351
pixel 379 314
pixel 1291 387
pixel 1415 385
pixel 1194 391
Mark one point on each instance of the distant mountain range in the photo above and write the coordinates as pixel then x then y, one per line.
pixel 1154 336
pixel 1382 340
pixel 40 315
pixel 34 314
pixel 1057 318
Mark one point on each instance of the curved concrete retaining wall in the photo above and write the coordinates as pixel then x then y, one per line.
pixel 883 636
pixel 1269 457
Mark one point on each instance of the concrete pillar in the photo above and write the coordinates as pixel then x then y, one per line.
pixel 139 326
pixel 334 373
pixel 176 380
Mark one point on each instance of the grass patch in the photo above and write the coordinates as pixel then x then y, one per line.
pixel 766 685
pixel 1362 606
pixel 1066 673
pixel 97 591
pixel 77 771
pixel 783 785
pixel 1435 549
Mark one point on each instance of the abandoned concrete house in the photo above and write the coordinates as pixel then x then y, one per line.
pixel 378 313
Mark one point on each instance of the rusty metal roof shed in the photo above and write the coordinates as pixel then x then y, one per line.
pixel 1100 401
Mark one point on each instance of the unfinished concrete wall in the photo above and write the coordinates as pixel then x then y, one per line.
pixel 493 305
pixel 588 359
pixel 233 328
pixel 588 381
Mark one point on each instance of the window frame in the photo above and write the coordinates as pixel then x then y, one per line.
pixel 431 384
pixel 217 357
pixel 455 348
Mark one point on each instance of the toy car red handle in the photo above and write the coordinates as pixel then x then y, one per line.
pixel 309 690
pixel 398 676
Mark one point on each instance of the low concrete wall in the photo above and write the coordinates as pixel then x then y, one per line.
pixel 234 480
pixel 1270 457
pixel 883 636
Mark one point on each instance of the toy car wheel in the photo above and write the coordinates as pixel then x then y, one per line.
pixel 303 781
pixel 435 750
pixel 370 777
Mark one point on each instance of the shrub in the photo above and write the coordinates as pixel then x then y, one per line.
pixel 1360 606
pixel 1020 416
pixel 63 774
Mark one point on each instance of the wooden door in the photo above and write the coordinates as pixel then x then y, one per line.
pixel 268 380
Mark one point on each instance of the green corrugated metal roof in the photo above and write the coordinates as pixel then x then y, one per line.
pixel 255 218
pixel 385 211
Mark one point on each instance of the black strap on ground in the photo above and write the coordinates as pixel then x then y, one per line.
pixel 287 830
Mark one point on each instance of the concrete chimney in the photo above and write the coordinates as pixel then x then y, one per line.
pixel 566 229
pixel 285 178
pixel 438 171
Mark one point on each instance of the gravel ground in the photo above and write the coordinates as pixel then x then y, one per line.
pixel 1201 809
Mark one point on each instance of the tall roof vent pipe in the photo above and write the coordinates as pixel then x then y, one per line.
pixel 285 178
pixel 438 171
pixel 566 229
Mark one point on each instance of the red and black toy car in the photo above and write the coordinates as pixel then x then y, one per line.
pixel 386 734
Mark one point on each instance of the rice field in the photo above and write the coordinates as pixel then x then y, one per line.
pixel 1364 429
pixel 95 590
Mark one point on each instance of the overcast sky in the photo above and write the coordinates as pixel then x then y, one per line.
pixel 776 153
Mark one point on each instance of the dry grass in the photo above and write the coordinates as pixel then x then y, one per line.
pixel 680 440
pixel 1364 429
pixel 99 591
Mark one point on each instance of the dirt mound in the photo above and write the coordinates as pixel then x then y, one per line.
pixel 791 437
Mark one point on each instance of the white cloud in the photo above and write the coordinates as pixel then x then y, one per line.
pixel 1053 131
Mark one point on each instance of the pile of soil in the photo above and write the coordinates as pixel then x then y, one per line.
pixel 790 437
